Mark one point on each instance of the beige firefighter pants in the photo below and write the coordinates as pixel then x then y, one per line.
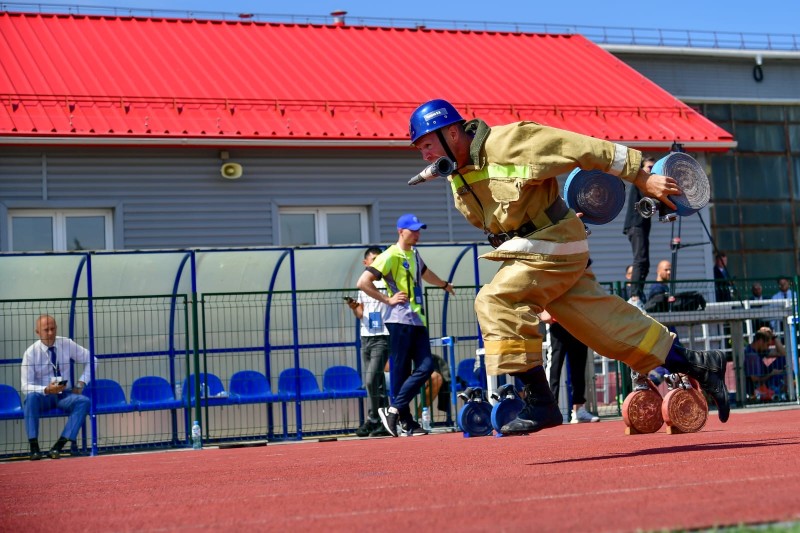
pixel 522 288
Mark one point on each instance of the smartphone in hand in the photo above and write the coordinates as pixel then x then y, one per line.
pixel 347 299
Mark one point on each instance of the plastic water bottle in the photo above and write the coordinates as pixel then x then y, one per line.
pixel 177 391
pixel 197 436
pixel 426 419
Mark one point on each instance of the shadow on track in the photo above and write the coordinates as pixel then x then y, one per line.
pixel 710 447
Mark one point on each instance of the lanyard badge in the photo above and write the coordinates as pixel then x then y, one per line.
pixel 51 352
pixel 415 288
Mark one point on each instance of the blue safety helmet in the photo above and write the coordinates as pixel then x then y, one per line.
pixel 432 116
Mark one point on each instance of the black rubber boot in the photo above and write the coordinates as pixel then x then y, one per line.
pixel 55 451
pixel 36 453
pixel 540 411
pixel 708 368
pixel 75 451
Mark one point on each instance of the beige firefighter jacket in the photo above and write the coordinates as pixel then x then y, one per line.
pixel 512 180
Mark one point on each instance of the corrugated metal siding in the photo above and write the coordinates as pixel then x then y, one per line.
pixel 90 76
pixel 20 178
pixel 177 199
pixel 720 78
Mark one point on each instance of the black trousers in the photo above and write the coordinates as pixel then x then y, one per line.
pixel 408 344
pixel 562 346
pixel 640 247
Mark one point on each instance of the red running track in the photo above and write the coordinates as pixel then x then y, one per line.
pixel 587 477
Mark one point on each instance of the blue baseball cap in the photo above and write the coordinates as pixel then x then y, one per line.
pixel 411 222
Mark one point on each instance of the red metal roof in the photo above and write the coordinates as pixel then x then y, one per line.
pixel 100 79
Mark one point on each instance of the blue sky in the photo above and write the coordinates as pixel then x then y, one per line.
pixel 761 16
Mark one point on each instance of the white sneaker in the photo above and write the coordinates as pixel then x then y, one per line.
pixel 582 415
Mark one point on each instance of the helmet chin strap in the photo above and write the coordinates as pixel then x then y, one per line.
pixel 446 147
pixel 466 185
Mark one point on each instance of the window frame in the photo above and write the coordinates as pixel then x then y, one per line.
pixel 320 214
pixel 59 223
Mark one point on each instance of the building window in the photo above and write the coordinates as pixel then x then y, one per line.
pixel 323 225
pixel 40 230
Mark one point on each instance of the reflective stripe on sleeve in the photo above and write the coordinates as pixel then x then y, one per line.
pixel 620 158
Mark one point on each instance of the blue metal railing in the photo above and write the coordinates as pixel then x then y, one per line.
pixel 597 34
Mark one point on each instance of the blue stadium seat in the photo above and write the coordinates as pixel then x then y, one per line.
pixel 150 393
pixel 309 389
pixel 465 375
pixel 109 396
pixel 249 386
pixel 215 392
pixel 343 382
pixel 10 404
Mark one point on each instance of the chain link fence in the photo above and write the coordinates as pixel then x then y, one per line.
pixel 278 365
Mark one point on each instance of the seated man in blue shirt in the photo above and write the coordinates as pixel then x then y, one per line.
pixel 765 381
pixel 46 370
pixel 663 275
pixel 658 295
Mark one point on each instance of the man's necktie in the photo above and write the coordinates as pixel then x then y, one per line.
pixel 53 359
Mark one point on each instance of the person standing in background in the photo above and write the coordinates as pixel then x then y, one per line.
pixel 374 349
pixel 627 290
pixel 723 286
pixel 784 293
pixel 403 269
pixel 565 346
pixel 637 228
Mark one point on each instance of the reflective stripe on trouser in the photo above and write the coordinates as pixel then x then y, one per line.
pixel 507 309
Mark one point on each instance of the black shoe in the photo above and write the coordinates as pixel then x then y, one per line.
pixel 367 427
pixel 708 368
pixel 411 429
pixel 539 413
pixel 380 431
pixel 54 454
pixel 389 420
pixel 36 453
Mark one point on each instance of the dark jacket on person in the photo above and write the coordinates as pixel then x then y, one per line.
pixel 632 217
